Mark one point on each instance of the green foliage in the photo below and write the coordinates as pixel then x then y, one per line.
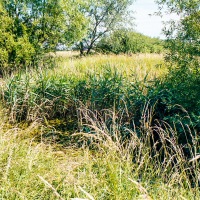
pixel 15 51
pixel 183 38
pixel 29 29
pixel 127 41
pixel 183 44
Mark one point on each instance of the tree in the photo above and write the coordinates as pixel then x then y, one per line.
pixel 13 49
pixel 183 44
pixel 31 28
pixel 103 17
pixel 183 37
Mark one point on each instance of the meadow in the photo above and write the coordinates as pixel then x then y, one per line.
pixel 99 127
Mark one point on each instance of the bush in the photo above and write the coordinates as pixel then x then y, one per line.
pixel 15 51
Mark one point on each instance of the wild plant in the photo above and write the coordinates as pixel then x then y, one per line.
pixel 29 97
pixel 162 157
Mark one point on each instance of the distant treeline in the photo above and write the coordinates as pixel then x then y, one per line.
pixel 129 41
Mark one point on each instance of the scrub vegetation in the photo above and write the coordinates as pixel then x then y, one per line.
pixel 120 124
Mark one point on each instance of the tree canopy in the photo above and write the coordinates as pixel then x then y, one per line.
pixel 32 27
pixel 183 37
pixel 103 17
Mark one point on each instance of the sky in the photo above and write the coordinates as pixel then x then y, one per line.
pixel 148 25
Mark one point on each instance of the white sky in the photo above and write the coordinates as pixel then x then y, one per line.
pixel 148 25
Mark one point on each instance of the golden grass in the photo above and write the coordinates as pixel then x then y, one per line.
pixel 67 53
pixel 139 65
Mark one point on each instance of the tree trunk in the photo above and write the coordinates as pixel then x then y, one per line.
pixel 88 50
pixel 81 49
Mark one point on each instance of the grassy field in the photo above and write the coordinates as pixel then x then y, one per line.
pixel 85 129
pixel 139 65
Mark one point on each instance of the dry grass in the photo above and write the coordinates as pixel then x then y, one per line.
pixel 36 170
pixel 139 65
pixel 67 54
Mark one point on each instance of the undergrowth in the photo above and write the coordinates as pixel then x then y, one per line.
pixel 103 166
pixel 135 133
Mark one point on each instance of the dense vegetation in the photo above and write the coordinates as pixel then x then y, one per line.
pixel 31 28
pixel 103 126
pixel 114 111
pixel 129 42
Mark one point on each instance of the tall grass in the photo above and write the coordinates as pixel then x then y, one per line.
pixel 51 92
pixel 104 167
pixel 165 152
pixel 46 94
pixel 131 140
pixel 138 65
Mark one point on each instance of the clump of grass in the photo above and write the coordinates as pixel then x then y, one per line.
pixel 152 161
pixel 31 96
pixel 43 94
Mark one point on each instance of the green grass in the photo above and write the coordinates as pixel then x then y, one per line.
pixel 86 129
pixel 93 81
